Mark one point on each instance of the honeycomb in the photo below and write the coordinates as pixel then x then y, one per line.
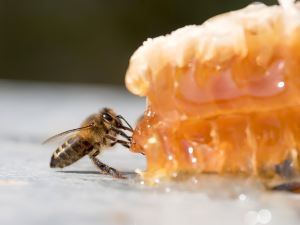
pixel 222 97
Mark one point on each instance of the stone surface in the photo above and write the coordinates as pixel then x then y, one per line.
pixel 32 193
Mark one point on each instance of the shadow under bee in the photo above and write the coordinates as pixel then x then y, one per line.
pixel 126 173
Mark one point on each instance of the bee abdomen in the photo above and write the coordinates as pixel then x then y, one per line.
pixel 71 151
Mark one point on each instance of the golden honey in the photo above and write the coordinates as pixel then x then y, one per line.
pixel 223 97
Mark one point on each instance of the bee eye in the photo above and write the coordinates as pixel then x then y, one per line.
pixel 107 117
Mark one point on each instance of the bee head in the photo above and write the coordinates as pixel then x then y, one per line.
pixel 113 123
pixel 110 118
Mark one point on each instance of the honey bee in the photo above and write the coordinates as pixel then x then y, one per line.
pixel 96 133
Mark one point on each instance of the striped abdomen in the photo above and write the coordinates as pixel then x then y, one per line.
pixel 71 151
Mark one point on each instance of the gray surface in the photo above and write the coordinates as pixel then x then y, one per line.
pixel 32 193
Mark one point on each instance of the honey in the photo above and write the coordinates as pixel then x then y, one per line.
pixel 223 97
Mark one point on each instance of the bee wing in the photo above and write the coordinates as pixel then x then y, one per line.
pixel 66 133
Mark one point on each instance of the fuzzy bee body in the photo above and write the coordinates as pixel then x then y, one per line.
pixel 97 132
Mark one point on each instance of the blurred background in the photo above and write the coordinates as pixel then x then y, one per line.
pixel 82 41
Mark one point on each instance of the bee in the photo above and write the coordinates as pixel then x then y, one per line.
pixel 96 133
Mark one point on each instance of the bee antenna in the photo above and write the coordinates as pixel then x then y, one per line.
pixel 122 118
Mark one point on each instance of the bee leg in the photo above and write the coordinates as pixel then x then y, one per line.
pixel 106 169
pixel 117 141
pixel 122 134
pixel 124 143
